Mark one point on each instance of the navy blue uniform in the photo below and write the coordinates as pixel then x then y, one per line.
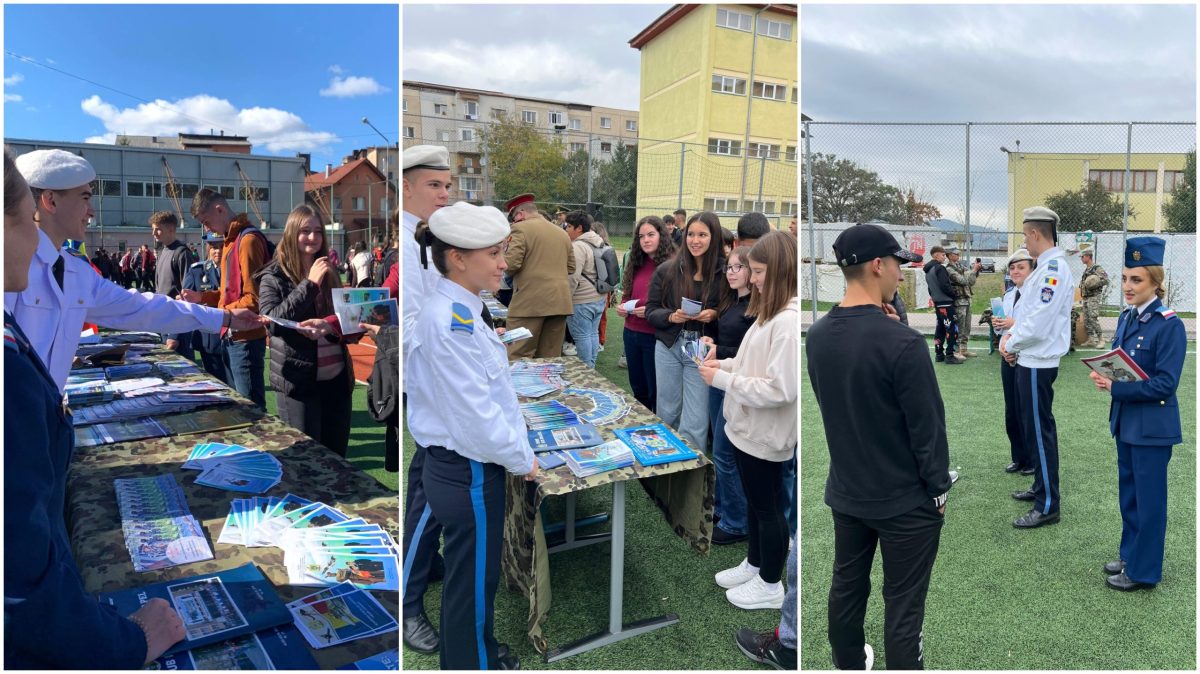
pixel 206 276
pixel 1144 420
pixel 50 620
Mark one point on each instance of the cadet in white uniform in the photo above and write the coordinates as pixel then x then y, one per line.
pixel 1019 266
pixel 463 413
pixel 1036 342
pixel 64 291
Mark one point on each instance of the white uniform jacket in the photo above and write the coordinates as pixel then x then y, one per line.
pixel 1042 333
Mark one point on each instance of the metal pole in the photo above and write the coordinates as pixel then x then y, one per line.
pixel 682 156
pixel 967 225
pixel 1128 157
pixel 812 224
pixel 762 172
pixel 589 168
pixel 369 219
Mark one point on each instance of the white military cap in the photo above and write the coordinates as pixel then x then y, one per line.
pixel 1039 214
pixel 1019 255
pixel 468 226
pixel 55 169
pixel 953 249
pixel 427 157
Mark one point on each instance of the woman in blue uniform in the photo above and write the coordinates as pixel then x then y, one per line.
pixel 1144 416
pixel 50 620
pixel 463 411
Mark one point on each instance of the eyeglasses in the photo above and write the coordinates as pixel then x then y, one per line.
pixel 735 268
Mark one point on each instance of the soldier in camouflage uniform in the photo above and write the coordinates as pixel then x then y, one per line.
pixel 962 278
pixel 1092 285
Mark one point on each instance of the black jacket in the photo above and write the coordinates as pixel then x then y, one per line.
pixel 662 299
pixel 293 356
pixel 938 280
pixel 901 310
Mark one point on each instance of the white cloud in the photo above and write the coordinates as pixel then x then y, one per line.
pixel 271 128
pixel 13 98
pixel 13 79
pixel 336 69
pixel 347 87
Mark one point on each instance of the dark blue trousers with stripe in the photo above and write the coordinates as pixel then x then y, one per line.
pixel 1018 450
pixel 1142 490
pixel 467 498
pixel 1035 394
pixel 421 534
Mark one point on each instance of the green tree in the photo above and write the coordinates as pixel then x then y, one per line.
pixel 615 185
pixel 845 192
pixel 1180 209
pixel 522 160
pixel 914 211
pixel 1089 208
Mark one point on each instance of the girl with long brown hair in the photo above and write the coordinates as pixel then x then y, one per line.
pixel 651 247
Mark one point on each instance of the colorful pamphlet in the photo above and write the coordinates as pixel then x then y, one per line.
pixel 285 323
pixel 998 307
pixel 128 371
pixel 340 614
pixel 541 415
pixel 630 306
pixel 364 305
pixel 177 368
pixel 569 437
pixel 607 407
pixel 534 380
pixel 153 405
pixel 655 444
pixel 550 460
pixel 608 456
pixel 380 661
pixel 215 607
pixel 280 647
pixel 696 350
pixel 691 307
pixel 234 467
pixel 159 529
pixel 517 335
pixel 1117 366
pixel 119 431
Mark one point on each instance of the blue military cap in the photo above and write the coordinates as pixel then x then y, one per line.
pixel 1144 251
pixel 213 238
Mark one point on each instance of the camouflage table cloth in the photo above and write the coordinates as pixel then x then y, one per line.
pixel 309 470
pixel 683 490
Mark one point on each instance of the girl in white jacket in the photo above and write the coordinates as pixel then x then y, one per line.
pixel 761 387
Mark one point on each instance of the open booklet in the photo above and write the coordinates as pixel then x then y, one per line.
pixel 1117 366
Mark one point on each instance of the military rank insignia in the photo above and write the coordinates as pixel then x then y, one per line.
pixel 1047 295
pixel 461 319
pixel 1052 265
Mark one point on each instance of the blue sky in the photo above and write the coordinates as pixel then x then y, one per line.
pixel 295 78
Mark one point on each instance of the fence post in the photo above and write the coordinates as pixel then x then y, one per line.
pixel 812 226
pixel 1128 156
pixel 762 172
pixel 589 169
pixel 682 155
pixel 967 225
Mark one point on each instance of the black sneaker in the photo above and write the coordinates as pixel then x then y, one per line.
pixel 765 648
pixel 722 537
pixel 939 358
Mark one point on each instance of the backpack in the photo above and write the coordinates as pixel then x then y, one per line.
pixel 267 242
pixel 383 394
pixel 380 269
pixel 608 272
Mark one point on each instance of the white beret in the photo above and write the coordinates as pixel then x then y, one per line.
pixel 1039 214
pixel 953 249
pixel 427 156
pixel 468 226
pixel 1017 256
pixel 55 169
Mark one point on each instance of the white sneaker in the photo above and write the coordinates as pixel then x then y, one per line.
pixel 756 593
pixel 569 349
pixel 622 363
pixel 870 656
pixel 600 348
pixel 730 578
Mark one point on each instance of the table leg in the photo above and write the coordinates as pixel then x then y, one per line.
pixel 617 630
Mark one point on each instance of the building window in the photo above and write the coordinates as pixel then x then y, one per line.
pixel 383 205
pixel 789 208
pixel 606 148
pixel 143 189
pixel 529 116
pixel 259 193
pixel 444 136
pixel 631 125
pixel 576 125
pixel 188 190
pixel 721 205
pixel 790 155
pixel 605 122
pixel 779 29
pixel 722 146
pixel 775 92
pixel 725 84
pixel 467 135
pixel 1171 180
pixel 558 119
pixel 404 105
pixel 762 150
pixel 576 147
pixel 358 203
pixel 107 188
pixel 1114 181
pixel 226 191
pixel 337 204
pixel 764 207
pixel 795 92
pixel 499 113
pixel 730 19
pixel 472 110
pixel 441 109
pixel 468 184
pixel 410 132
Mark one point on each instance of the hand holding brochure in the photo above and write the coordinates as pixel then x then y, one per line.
pixel 1117 366
pixel 998 308
pixel 364 305
pixel 691 307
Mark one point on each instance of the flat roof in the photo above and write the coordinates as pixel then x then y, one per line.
pixel 673 15
pixel 159 150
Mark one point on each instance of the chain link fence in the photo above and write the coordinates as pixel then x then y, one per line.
pixel 622 176
pixel 968 183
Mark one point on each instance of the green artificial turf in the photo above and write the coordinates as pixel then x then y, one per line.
pixel 662 575
pixel 1002 598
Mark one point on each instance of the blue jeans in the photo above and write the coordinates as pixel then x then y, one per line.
pixel 639 357
pixel 244 368
pixel 730 499
pixel 682 394
pixel 584 324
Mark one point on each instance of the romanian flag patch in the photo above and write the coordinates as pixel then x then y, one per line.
pixel 461 318
pixel 1166 313
pixel 1051 281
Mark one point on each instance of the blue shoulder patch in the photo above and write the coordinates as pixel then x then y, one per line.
pixel 1047 295
pixel 1052 265
pixel 461 318
pixel 74 253
pixel 1166 313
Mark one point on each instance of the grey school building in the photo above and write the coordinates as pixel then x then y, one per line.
pixel 133 182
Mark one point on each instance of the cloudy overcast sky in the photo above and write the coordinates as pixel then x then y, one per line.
pixel 573 53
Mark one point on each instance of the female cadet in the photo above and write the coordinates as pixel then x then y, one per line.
pixel 50 620
pixel 1019 267
pixel 1144 415
pixel 463 411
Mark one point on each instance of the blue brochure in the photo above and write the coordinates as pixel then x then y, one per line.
pixel 655 444
pixel 566 437
pixel 280 647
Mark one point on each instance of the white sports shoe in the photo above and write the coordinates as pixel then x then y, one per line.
pixel 569 349
pixel 756 593
pixel 870 656
pixel 730 578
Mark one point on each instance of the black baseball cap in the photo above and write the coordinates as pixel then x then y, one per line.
pixel 863 243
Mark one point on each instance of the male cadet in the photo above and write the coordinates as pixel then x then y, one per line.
pixel 244 252
pixel 64 290
pixel 172 265
pixel 560 217
pixel 1039 338
pixel 888 455
pixel 426 182
pixel 540 260
pixel 205 276
pixel 750 228
pixel 941 293
pixel 680 225
pixel 962 279
pixel 1092 285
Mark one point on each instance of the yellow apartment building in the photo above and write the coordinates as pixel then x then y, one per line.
pixel 722 81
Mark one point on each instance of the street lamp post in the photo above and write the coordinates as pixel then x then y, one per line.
pixel 388 144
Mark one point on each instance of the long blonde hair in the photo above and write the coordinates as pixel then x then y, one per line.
pixel 1157 274
pixel 287 254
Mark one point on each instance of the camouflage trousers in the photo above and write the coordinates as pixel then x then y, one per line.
pixel 962 313
pixel 1091 317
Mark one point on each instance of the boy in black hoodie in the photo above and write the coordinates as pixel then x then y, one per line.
pixel 945 335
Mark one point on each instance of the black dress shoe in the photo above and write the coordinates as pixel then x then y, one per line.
pixel 722 537
pixel 420 636
pixel 1025 495
pixel 505 659
pixel 1012 468
pixel 1126 584
pixel 1028 470
pixel 940 358
pixel 1034 519
pixel 1113 568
